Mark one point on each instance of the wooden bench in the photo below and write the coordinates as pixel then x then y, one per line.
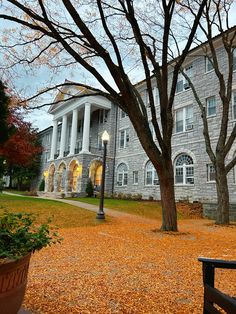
pixel 213 296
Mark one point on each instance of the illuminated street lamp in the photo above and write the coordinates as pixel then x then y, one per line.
pixel 105 139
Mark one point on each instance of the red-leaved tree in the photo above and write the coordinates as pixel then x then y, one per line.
pixel 22 149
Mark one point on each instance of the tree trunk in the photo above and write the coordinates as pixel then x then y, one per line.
pixel 222 215
pixel 169 213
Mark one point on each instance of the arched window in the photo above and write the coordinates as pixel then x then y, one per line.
pixel 151 177
pixel 122 175
pixel 184 170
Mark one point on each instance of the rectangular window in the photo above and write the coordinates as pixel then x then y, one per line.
pixel 188 118
pixel 120 179
pixel 234 104
pixel 208 64
pixel 184 119
pixel 125 182
pixel 179 175
pixel 211 106
pixel 149 177
pixel 180 83
pixel 155 179
pixel 189 175
pixel 189 73
pixel 47 139
pixel 211 174
pixel 135 177
pixel 123 138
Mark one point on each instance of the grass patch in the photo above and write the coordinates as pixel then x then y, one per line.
pixel 64 215
pixel 147 209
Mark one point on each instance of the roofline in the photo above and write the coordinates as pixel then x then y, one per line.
pixel 215 38
pixel 49 127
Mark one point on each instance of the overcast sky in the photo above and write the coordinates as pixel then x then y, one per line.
pixel 32 82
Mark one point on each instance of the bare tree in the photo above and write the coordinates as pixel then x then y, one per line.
pixel 216 18
pixel 98 34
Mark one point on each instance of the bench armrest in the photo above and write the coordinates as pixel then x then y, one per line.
pixel 218 263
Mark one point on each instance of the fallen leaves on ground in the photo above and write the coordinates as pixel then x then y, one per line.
pixel 124 267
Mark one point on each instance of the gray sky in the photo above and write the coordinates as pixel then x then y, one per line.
pixel 31 82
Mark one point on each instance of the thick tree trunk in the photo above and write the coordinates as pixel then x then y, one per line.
pixel 222 215
pixel 169 213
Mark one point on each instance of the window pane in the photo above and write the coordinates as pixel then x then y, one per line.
pixel 211 106
pixel 149 178
pixel 135 177
pixel 211 172
pixel 209 65
pixel 179 175
pixel 122 139
pixel 180 86
pixel 120 177
pixel 179 121
pixel 125 179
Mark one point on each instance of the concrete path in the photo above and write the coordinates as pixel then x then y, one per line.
pixel 94 208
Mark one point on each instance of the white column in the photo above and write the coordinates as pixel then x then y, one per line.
pixel 63 136
pixel 74 128
pixel 86 129
pixel 54 140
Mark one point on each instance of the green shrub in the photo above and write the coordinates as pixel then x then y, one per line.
pixel 42 185
pixel 20 235
pixel 89 188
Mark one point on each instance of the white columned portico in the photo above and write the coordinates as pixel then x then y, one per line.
pixel 54 139
pixel 86 129
pixel 74 128
pixel 63 136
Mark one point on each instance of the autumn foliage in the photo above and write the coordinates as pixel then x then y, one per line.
pixel 21 148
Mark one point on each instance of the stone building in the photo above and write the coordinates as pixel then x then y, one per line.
pixel 73 146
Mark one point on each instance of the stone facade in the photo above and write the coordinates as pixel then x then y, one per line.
pixel 128 168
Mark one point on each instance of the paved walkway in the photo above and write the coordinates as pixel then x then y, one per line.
pixel 94 208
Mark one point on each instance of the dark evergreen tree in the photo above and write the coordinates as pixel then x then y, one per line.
pixel 4 113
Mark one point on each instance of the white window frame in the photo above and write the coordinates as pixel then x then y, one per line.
pixel 149 169
pixel 126 138
pixel 207 105
pixel 135 177
pixel 183 169
pixel 210 168
pixel 187 125
pixel 122 175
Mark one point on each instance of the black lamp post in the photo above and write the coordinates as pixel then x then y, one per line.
pixel 105 139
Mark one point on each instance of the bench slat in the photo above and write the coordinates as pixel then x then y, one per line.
pixel 218 263
pixel 224 301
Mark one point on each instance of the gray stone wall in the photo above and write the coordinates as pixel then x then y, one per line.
pixel 209 211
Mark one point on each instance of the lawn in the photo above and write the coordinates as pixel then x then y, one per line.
pixel 64 215
pixel 147 209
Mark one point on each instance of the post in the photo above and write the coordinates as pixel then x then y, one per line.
pixel 100 214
